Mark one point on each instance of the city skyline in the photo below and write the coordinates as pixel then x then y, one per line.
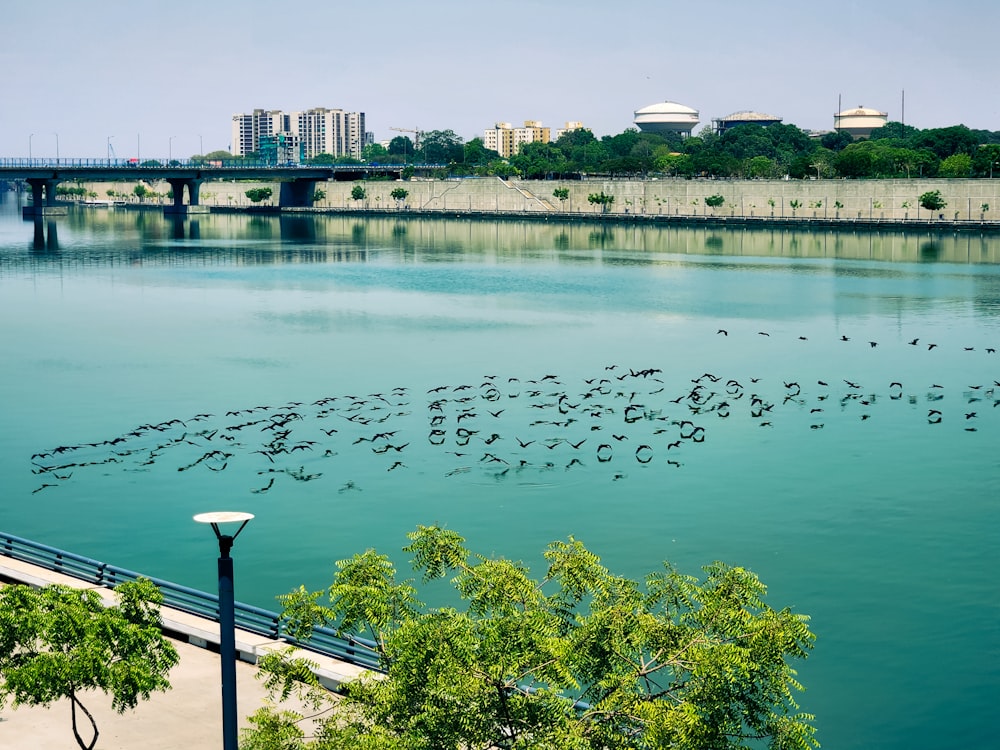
pixel 166 78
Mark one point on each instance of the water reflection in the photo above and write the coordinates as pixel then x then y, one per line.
pixel 46 236
pixel 238 238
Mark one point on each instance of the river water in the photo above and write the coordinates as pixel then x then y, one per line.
pixel 767 398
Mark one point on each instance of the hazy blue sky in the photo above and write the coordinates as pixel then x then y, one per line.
pixel 144 71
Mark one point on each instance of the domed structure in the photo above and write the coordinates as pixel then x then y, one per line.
pixel 860 122
pixel 743 118
pixel 664 118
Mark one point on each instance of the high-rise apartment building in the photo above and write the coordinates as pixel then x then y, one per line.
pixel 248 129
pixel 314 131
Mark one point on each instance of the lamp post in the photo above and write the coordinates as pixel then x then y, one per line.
pixel 170 149
pixel 227 619
pixel 109 149
pixel 57 148
pixel 32 135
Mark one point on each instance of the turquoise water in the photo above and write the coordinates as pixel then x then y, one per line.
pixel 851 500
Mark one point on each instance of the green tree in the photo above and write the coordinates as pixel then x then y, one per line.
pixel 399 195
pixel 956 165
pixel 401 145
pixel 322 160
pixel 475 153
pixel 140 191
pixel 60 642
pixel 358 193
pixel 561 193
pixel 374 152
pixel 581 659
pixel 601 199
pixel 318 195
pixel 932 200
pixel 441 147
pixel 714 201
pixel 256 195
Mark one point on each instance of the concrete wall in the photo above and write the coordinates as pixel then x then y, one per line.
pixel 858 199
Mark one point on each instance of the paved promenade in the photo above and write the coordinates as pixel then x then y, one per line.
pixel 189 716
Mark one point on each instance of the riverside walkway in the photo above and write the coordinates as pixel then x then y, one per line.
pixel 189 715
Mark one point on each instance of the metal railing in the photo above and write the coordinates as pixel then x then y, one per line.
pixel 161 163
pixel 324 640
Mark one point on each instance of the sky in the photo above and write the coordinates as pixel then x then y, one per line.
pixel 155 78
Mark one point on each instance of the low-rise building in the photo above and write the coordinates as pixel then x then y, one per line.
pixel 507 140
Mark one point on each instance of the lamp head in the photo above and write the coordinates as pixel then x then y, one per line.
pixel 214 518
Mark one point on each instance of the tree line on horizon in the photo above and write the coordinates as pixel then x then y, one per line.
pixel 747 151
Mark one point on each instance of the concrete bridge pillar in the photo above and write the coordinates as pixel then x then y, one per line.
pixel 177 185
pixel 298 193
pixel 42 205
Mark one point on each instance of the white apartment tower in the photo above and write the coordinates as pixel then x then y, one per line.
pixel 248 129
pixel 318 131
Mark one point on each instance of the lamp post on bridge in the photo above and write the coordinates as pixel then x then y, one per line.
pixel 109 149
pixel 32 135
pixel 170 149
pixel 57 147
pixel 227 619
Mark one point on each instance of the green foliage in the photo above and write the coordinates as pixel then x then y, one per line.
pixel 358 193
pixel 956 165
pixel 441 147
pixel 318 195
pixel 402 146
pixel 78 191
pixel 580 658
pixel 932 200
pixel 140 191
pixel 714 201
pixel 795 205
pixel 256 195
pixel 399 194
pixel 374 152
pixel 601 199
pixel 561 193
pixel 321 160
pixel 59 642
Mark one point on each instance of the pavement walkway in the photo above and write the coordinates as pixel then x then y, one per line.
pixel 189 716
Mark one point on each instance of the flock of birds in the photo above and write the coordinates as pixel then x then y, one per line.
pixel 500 426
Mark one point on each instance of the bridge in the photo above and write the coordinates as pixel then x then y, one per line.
pixel 298 182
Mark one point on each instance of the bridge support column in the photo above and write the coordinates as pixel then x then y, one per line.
pixel 43 206
pixel 298 193
pixel 178 206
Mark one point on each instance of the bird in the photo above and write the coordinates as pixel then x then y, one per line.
pixel 723 331
pixel 914 342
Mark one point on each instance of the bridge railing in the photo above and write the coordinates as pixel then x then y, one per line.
pixel 248 617
pixel 206 164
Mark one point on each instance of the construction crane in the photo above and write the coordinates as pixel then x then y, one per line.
pixel 416 135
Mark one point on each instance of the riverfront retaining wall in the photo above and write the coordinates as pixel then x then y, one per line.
pixel 849 200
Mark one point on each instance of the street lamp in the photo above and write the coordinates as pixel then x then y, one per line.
pixel 227 618
pixel 32 135
pixel 109 149
pixel 57 148
pixel 170 149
